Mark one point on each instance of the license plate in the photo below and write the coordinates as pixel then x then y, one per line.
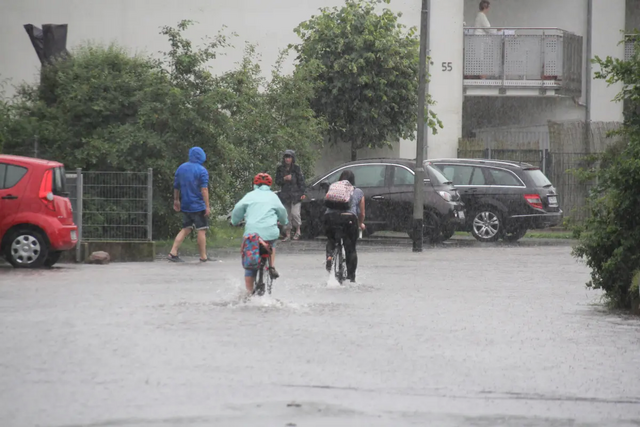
pixel 74 235
pixel 461 214
pixel 553 201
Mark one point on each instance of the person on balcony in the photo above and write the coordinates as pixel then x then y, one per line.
pixel 483 27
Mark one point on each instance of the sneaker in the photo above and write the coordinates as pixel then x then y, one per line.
pixel 174 258
pixel 273 273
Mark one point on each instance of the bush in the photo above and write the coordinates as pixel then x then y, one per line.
pixel 105 110
pixel 610 239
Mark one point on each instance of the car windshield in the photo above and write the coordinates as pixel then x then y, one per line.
pixel 538 178
pixel 437 175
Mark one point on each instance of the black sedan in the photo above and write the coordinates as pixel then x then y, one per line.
pixel 388 186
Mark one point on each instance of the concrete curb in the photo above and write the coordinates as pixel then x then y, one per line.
pixel 388 244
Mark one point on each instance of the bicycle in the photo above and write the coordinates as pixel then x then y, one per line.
pixel 261 284
pixel 339 259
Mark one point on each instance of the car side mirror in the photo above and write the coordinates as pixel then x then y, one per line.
pixel 324 186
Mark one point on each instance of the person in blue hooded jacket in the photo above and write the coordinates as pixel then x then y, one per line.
pixel 261 209
pixel 191 197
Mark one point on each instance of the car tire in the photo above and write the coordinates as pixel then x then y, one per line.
pixel 448 233
pixel 431 230
pixel 515 236
pixel 487 225
pixel 27 249
pixel 52 259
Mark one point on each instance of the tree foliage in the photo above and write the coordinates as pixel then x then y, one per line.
pixel 610 240
pixel 367 65
pixel 105 110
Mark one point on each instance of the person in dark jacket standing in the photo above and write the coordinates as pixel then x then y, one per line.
pixel 292 188
pixel 191 197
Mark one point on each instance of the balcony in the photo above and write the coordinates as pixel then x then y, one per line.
pixel 523 62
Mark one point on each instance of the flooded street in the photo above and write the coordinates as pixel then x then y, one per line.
pixel 454 336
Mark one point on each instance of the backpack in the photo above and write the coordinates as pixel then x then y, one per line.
pixel 339 195
pixel 251 252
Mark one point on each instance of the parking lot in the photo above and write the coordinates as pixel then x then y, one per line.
pixel 460 335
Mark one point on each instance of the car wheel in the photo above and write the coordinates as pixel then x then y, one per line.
pixel 448 233
pixel 487 225
pixel 431 231
pixel 432 228
pixel 27 249
pixel 515 236
pixel 52 259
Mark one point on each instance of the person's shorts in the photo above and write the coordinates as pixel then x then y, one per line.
pixel 197 220
pixel 254 273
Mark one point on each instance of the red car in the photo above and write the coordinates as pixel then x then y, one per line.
pixel 36 217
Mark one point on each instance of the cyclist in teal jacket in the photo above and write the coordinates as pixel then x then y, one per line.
pixel 261 209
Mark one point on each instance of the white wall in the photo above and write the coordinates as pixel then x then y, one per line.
pixel 608 25
pixel 446 86
pixel 136 24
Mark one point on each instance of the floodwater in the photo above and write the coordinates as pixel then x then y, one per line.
pixel 454 336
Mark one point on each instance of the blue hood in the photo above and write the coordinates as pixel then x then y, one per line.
pixel 197 155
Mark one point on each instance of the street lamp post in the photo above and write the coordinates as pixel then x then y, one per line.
pixel 421 146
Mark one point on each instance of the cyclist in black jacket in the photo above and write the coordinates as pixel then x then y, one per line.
pixel 350 222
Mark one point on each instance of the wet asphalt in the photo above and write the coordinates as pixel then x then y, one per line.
pixel 459 335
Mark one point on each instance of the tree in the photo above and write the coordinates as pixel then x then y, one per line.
pixel 366 66
pixel 105 110
pixel 610 240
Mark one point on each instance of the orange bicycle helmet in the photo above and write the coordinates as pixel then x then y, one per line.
pixel 262 179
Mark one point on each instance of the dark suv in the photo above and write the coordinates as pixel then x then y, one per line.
pixel 503 199
pixel 388 188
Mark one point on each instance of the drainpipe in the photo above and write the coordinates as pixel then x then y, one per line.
pixel 589 77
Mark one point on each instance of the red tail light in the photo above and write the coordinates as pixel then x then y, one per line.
pixel 534 200
pixel 46 190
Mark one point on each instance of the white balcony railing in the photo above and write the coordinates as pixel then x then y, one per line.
pixel 541 61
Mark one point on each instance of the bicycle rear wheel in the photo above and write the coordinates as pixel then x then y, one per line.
pixel 258 288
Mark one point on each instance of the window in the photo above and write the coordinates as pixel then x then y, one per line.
pixel 437 176
pixel 370 175
pixel 459 175
pixel 402 176
pixel 366 175
pixel 12 175
pixel 478 177
pixel 59 182
pixel 3 171
pixel 539 178
pixel 505 178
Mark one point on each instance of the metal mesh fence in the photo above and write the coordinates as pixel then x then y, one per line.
pixel 113 206
pixel 573 191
